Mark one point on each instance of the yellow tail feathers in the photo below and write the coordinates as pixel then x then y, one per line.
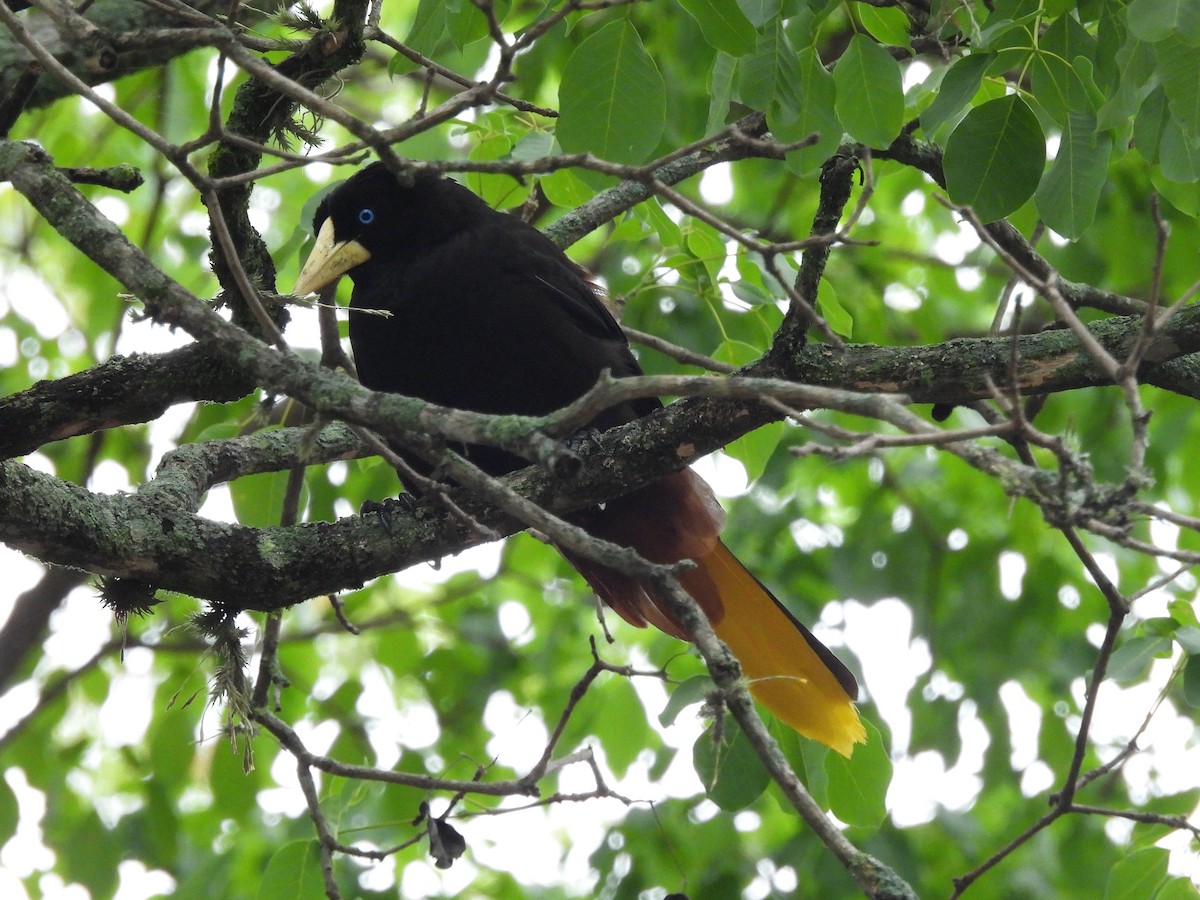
pixel 778 656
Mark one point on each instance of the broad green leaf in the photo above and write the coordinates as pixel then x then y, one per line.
pixel 1009 25
pixel 1132 658
pixel 428 26
pixel 670 235
pixel 888 25
pixel 754 450
pixel 760 12
pixel 612 99
pixel 618 714
pixel 750 293
pixel 1134 68
pixel 807 759
pixel 720 91
pixel 465 22
pixel 723 25
pixel 958 87
pixel 1179 72
pixel 694 690
pixel 9 812
pixel 1138 875
pixel 994 158
pixel 1062 70
pixel 1157 20
pixel 1069 194
pixel 730 771
pixel 258 499
pixel 498 190
pixel 1188 637
pixel 1178 889
pixel 1181 611
pixel 1149 125
pixel 534 145
pixel 706 244
pixel 814 114
pixel 293 873
pixel 1191 681
pixel 769 74
pixel 566 189
pixel 833 312
pixel 1178 154
pixel 858 785
pixel 870 97
pixel 1067 39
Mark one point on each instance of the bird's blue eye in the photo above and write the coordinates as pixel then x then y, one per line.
pixel 366 216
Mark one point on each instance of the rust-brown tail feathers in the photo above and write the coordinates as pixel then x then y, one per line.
pixel 788 670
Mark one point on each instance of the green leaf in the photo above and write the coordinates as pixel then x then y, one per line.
pixel 9 811
pixel 1138 875
pixel 1178 889
pixel 1188 637
pixel 888 25
pixel 1180 76
pixel 723 25
pixel 258 499
pixel 293 873
pixel 1157 20
pixel 814 113
pixel 858 785
pixel 465 22
pixel 1009 25
pixel 769 74
pixel 760 12
pixel 1149 125
pixel 694 690
pixel 534 145
pixel 497 190
pixel 807 759
pixel 994 158
pixel 1178 154
pixel 428 28
pixel 1130 661
pixel 754 450
pixel 670 235
pixel 1191 682
pixel 1068 196
pixel 1181 611
pixel 730 771
pixel 1062 70
pixel 706 244
pixel 870 96
pixel 566 189
pixel 958 87
pixel 1134 68
pixel 833 312
pixel 612 99
pixel 720 91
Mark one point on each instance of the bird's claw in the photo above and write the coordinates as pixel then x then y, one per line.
pixel 389 508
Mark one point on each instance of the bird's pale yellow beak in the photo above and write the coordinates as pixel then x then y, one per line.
pixel 329 260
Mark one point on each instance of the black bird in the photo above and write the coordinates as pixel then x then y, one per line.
pixel 487 314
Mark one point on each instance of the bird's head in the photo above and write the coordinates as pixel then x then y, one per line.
pixel 371 215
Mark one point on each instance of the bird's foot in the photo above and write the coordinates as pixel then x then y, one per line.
pixel 389 508
pixel 585 436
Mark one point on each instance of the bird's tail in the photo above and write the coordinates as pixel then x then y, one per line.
pixel 789 671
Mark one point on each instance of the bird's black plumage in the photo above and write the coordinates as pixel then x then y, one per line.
pixel 486 313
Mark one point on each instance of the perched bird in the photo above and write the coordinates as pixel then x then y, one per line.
pixel 487 314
